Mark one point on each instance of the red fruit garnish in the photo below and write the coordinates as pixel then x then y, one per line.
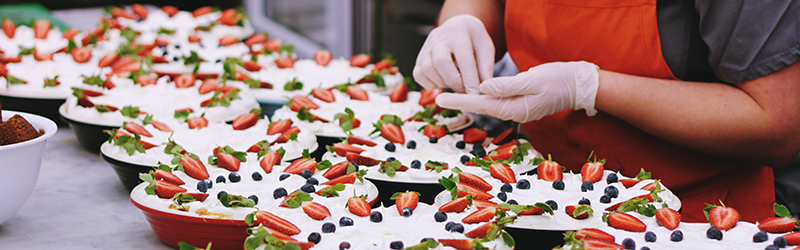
pixel 9 59
pixel 273 44
pixel 474 135
pixel 721 217
pixel 484 203
pixel 41 28
pixel 9 28
pixel 278 127
pixel 347 178
pixel 792 239
pixel 43 56
pixel 482 215
pixel 407 199
pixel 70 33
pixel 668 218
pixel 202 11
pixel 592 171
pixel 625 222
pixel 428 96
pixel 393 133
pixel 300 101
pixel 593 233
pixel 466 189
pixel 230 17
pixel 256 39
pixel 197 122
pixel 137 129
pixel 358 206
pixel 168 177
pixel 228 161
pixel 585 211
pixel 777 225
pixel 481 231
pixel 457 205
pixel 84 102
pixel 268 161
pixel 432 130
pixel 81 55
pixel 460 244
pixel 357 93
pixel 506 136
pixel 284 137
pixel 503 172
pixel 139 10
pixel 628 183
pixel 122 13
pixel 361 160
pixel 161 126
pixel 474 181
pixel 145 80
pixel 167 190
pixel 301 164
pixel 245 121
pixel 323 57
pixel 336 170
pixel 323 94
pixel 342 149
pixel 194 167
pixel 228 40
pixel 400 93
pixel 185 81
pixel 208 86
pixel 107 60
pixel 277 223
pixel 355 140
pixel 284 62
pixel 383 64
pixel 590 243
pixel 360 60
pixel 315 210
pixel 170 10
pixel 549 171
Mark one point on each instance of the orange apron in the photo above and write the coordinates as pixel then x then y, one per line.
pixel 622 36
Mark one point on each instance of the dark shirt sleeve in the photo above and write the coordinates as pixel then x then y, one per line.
pixel 749 39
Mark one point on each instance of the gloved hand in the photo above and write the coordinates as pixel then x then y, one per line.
pixel 458 55
pixel 531 95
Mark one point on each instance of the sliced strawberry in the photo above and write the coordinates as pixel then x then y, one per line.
pixel 484 203
pixel 168 177
pixel 91 93
pixel 721 217
pixel 506 136
pixel 137 129
pixel 122 13
pixel 360 60
pixel 230 17
pixel 531 211
pixel 284 62
pixel 336 170
pixel 315 210
pixel 474 135
pixel 347 178
pixel 277 223
pixel 777 225
pixel 245 121
pixel 197 122
pixel 107 60
pixel 81 55
pixel 361 160
pixel 432 130
pixel 9 59
pixel 199 196
pixel 194 167
pixel 268 161
pixel 301 164
pixel 278 127
pixel 284 137
pixel 228 161
pixel 43 56
pixel 167 190
pixel 584 211
pixel 460 244
pixel 628 183
pixel 161 126
pixel 482 215
pixel 600 244
pixel 146 80
pixel 481 231
pixel 202 11
pixel 466 189
pixel 668 217
pixel 323 57
pixel 356 122
pixel 108 84
pixel 273 44
pixel 9 28
pixel 256 39
pixel 650 186
pixel 358 206
pixel 407 199
pixel 342 149
pixel 428 96
pixel 208 86
pixel 593 233
pixel 400 93
pixel 323 94
pixel 357 93
pixel 592 171
pixel 41 28
pixel 85 102
pixel 139 10
pixel 627 222
pixel 300 101
pixel 549 171
pixel 3 70
pixel 383 64
pixel 252 66
pixel 503 172
pixel 228 40
pixel 70 33
pixel 170 10
pixel 474 181
pixel 393 133
pixel 456 206
pixel 194 38
pixel 360 141
pixel 185 81
pixel 792 239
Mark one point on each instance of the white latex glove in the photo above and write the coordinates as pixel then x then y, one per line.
pixel 531 95
pixel 458 55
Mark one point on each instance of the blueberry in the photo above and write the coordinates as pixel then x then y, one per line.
pixel 283 177
pixel 771 247
pixel 407 211
pixel 234 177
pixel 433 139
pixel 256 176
pixel 391 159
pixel 458 228
pixel 314 237
pixel 440 216
pixel 254 198
pixel 345 221
pixel 611 191
pixel 478 152
pixel 506 188
pixel 165 53
pixel 524 184
pixel 611 178
pixel 477 146
pixel 306 173
pixel 344 245
pixel 584 201
pixel 553 204
pixel 218 61
pixel 415 164
pixel 202 187
pixel 308 188
pixel 376 216
pixel 279 193
pixel 676 236
pixel 449 226
pixel 558 185
pixel 177 46
pixel 587 186
pixel 390 147
pixel 328 227
pixel 461 145
pixel 650 237
pixel 396 245
pixel 628 243
pixel 312 181
pixel 714 233
pixel 221 179
pixel 779 242
pixel 512 202
pixel 175 58
pixel 644 248
pixel 502 196
pixel 411 144
pixel 605 199
pixel 425 239
pixel 761 236
pixel 465 159
pixel 221 193
pixel 209 183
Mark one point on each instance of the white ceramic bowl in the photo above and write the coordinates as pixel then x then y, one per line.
pixel 20 162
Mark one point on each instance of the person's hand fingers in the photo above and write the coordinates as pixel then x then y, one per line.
pixel 506 108
pixel 422 67
pixel 484 53
pixel 503 86
pixel 444 64
pixel 465 58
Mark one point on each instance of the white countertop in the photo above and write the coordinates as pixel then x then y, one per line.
pixel 78 203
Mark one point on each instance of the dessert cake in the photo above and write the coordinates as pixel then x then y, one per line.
pixel 17 129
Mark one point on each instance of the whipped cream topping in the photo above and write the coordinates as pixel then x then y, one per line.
pixel 209 50
pixel 367 112
pixel 541 191
pixel 203 141
pixel 184 24
pixel 160 100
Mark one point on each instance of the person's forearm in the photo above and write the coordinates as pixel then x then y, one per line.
pixel 754 121
pixel 490 12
